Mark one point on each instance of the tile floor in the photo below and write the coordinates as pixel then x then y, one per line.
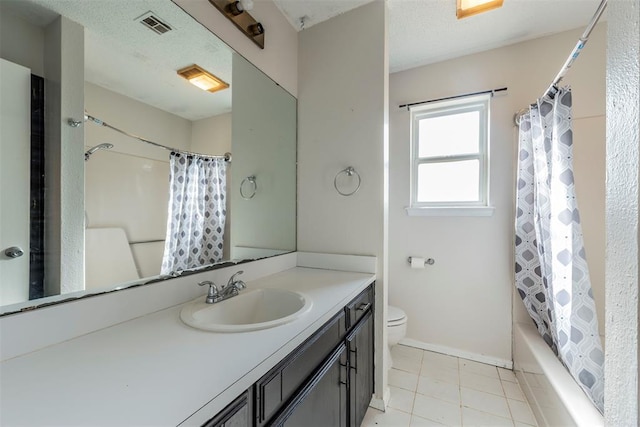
pixel 433 389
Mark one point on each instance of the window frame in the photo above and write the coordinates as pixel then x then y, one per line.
pixel 480 103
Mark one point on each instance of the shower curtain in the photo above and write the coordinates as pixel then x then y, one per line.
pixel 552 276
pixel 196 217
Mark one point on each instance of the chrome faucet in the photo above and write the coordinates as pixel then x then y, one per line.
pixel 213 294
pixel 231 289
pixel 233 286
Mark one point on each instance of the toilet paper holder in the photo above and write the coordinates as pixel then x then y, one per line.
pixel 427 261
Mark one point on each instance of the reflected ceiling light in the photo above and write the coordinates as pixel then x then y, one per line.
pixel 472 7
pixel 197 76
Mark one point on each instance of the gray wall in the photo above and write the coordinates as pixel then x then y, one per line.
pixel 64 154
pixel 342 117
pixel 21 42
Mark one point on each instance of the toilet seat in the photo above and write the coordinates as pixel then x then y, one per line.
pixel 395 316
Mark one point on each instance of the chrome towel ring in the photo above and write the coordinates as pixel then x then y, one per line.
pixel 254 187
pixel 349 171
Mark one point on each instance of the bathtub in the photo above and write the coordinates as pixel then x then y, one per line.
pixel 555 398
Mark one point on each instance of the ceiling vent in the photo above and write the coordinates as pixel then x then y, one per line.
pixel 154 23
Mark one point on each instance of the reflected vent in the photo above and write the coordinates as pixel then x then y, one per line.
pixel 154 23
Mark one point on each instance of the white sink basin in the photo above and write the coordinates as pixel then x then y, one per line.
pixel 249 311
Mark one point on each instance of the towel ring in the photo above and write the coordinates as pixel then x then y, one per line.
pixel 350 171
pixel 252 180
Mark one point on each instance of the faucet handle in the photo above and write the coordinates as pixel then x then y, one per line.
pixel 207 283
pixel 212 294
pixel 233 277
pixel 236 274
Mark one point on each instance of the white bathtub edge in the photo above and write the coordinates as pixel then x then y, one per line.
pixel 528 343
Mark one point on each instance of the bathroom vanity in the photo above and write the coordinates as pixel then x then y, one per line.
pixel 326 381
pixel 156 370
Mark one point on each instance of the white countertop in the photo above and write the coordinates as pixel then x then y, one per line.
pixel 156 371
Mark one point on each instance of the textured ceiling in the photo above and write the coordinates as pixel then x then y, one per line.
pixel 427 31
pixel 312 12
pixel 124 56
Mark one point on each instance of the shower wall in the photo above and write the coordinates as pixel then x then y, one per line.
pixel 465 303
pixel 127 187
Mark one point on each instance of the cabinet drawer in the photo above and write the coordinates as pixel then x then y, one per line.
pixel 359 306
pixel 280 384
pixel 303 364
pixel 236 414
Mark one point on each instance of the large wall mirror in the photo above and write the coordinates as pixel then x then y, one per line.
pixel 141 188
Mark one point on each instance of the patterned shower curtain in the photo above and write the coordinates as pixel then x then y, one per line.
pixel 195 223
pixel 551 269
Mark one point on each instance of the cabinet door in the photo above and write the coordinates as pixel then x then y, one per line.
pixel 282 383
pixel 236 414
pixel 322 402
pixel 360 346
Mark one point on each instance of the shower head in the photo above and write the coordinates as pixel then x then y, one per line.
pixel 89 152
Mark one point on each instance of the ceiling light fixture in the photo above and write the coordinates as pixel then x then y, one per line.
pixel 235 8
pixel 472 7
pixel 201 78
pixel 237 11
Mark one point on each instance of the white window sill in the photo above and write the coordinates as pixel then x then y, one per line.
pixel 451 211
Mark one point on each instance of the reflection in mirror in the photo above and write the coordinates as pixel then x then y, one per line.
pixel 264 147
pixel 102 223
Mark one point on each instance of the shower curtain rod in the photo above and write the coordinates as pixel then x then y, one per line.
pixel 226 156
pixel 493 92
pixel 552 90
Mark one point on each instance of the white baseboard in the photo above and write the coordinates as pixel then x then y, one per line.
pixel 381 403
pixel 482 358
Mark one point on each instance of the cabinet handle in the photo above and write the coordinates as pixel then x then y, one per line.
pixel 354 366
pixel 363 307
pixel 342 365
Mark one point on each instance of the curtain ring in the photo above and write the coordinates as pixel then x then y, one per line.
pixel 252 180
pixel 349 171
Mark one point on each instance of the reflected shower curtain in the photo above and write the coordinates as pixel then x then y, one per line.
pixel 552 276
pixel 196 217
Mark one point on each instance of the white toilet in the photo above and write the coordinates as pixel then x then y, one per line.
pixel 396 329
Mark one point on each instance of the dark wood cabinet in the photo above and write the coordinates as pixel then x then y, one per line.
pixel 359 306
pixel 322 401
pixel 236 414
pixel 360 346
pixel 282 383
pixel 327 381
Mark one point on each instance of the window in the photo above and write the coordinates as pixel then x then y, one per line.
pixel 450 157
